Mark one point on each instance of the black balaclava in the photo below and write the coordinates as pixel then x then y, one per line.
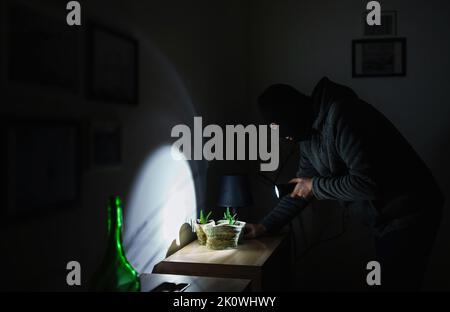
pixel 290 109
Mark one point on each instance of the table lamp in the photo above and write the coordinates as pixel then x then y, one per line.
pixel 234 192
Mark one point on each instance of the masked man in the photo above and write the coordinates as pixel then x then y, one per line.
pixel 351 153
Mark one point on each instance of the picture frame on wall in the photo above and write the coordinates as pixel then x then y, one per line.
pixel 387 28
pixel 384 57
pixel 112 60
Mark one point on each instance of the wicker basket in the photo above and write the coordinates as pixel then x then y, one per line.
pixel 200 230
pixel 223 235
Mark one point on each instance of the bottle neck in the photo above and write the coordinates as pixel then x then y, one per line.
pixel 115 227
pixel 115 221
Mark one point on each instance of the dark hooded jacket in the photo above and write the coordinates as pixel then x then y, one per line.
pixel 357 157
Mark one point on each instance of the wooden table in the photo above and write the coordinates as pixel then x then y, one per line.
pixel 196 283
pixel 265 261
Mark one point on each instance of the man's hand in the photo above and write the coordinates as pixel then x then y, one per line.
pixel 254 230
pixel 303 188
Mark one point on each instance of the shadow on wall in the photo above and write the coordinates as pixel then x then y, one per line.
pixel 186 236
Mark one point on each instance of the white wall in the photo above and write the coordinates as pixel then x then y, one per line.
pixel 191 62
pixel 298 42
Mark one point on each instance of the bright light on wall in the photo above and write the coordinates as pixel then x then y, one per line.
pixel 162 200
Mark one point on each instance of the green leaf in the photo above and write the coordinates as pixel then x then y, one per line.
pixel 203 219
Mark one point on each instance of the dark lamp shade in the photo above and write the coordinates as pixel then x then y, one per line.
pixel 234 191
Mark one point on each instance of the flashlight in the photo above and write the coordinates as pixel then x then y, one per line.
pixel 284 189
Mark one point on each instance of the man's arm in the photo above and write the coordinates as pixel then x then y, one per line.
pixel 359 182
pixel 288 207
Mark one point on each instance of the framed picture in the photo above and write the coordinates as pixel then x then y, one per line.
pixel 42 166
pixel 379 57
pixel 112 66
pixel 42 51
pixel 388 25
pixel 106 145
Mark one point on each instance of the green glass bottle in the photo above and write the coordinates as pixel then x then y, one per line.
pixel 115 272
